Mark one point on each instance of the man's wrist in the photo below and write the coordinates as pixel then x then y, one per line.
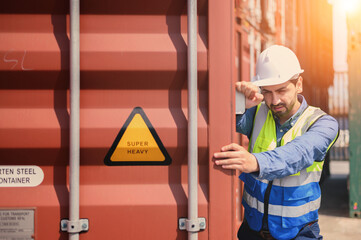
pixel 255 163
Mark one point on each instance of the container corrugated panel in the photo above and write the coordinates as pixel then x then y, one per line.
pixel 339 108
pixel 314 49
pixel 132 53
pixel 242 73
pixel 354 116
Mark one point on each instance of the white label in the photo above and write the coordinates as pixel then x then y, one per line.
pixel 20 176
pixel 16 224
pixel 240 103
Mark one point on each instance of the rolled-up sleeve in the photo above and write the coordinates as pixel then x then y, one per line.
pixel 301 152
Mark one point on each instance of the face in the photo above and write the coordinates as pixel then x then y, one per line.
pixel 282 98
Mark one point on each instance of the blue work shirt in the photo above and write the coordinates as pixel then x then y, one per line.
pixel 296 155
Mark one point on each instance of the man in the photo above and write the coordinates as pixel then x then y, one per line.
pixel 288 142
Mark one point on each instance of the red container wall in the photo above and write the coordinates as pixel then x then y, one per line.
pixel 132 53
pixel 314 49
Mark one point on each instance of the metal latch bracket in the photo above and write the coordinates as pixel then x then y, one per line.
pixel 192 226
pixel 82 225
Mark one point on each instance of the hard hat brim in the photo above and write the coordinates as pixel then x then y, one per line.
pixel 273 81
pixel 268 82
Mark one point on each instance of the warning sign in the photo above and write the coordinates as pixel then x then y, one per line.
pixel 137 143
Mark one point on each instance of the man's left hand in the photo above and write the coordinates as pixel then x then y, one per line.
pixel 234 156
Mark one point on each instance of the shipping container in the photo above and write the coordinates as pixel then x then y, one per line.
pixel 311 37
pixel 133 115
pixel 133 65
pixel 354 62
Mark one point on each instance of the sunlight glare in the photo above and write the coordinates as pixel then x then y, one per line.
pixel 350 5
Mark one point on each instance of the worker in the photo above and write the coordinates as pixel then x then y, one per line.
pixel 288 141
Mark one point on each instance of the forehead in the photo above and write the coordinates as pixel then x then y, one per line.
pixel 277 87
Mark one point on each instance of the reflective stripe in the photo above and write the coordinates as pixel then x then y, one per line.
pixel 294 211
pixel 308 117
pixel 261 113
pixel 316 115
pixel 279 210
pixel 305 177
pixel 253 202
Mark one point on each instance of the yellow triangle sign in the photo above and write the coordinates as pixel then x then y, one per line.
pixel 137 143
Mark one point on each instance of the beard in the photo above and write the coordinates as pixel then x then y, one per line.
pixel 281 110
pixel 284 110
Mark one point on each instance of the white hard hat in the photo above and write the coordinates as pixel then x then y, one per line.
pixel 275 65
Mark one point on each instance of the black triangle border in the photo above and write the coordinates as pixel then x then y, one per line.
pixel 137 110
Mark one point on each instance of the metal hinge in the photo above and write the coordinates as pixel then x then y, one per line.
pixel 82 225
pixel 192 226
